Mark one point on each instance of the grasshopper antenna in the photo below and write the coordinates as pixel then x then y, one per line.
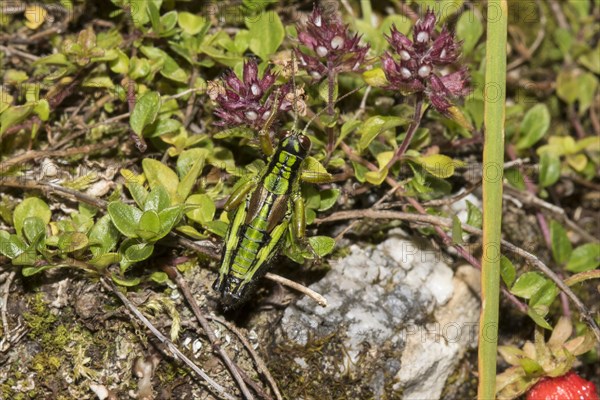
pixel 295 102
pixel 323 110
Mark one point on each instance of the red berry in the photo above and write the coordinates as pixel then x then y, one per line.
pixel 567 387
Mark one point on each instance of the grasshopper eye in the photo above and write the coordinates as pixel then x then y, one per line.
pixel 305 142
pixel 283 134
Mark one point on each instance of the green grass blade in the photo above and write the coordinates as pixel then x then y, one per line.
pixel 493 160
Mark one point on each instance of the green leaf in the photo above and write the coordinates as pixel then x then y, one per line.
pixel 474 216
pixel 53 59
pixel 515 178
pixel 70 242
pixel 577 161
pixel 591 60
pixel 98 82
pixel 218 228
pixel 438 165
pixel 126 218
pixel 266 34
pixel 576 85
pixel 375 126
pixel 158 174
pixel 163 127
pixel 375 77
pixel 157 200
pixel 322 245
pixel 149 225
pixel 28 257
pixel 159 277
pixel 376 177
pixel 127 282
pixel 528 284
pixel 507 271
pixel 205 211
pixel 30 207
pixel 188 158
pixel 14 115
pixel 11 246
pixel 549 169
pixel 328 198
pixel 192 232
pixel 34 229
pixel 545 296
pixel 167 23
pixel 190 23
pixel 538 319
pixel 105 259
pixel 170 69
pixel 120 65
pixel 584 258
pixel 457 232
pixel 347 128
pixel 189 180
pixel 145 111
pixel 534 126
pixel 103 236
pixel 139 67
pixel 561 245
pixel 169 217
pixel 314 172
pixel 30 271
pixel 138 192
pixel 136 252
pixel 359 171
pixel 469 29
pixel 154 18
pixel 42 109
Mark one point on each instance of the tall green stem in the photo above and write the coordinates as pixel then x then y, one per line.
pixel 493 160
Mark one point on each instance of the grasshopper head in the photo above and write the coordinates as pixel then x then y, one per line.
pixel 296 143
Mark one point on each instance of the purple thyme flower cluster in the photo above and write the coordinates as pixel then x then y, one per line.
pixel 415 70
pixel 411 67
pixel 249 101
pixel 333 48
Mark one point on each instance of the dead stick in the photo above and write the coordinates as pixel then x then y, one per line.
pixel 170 345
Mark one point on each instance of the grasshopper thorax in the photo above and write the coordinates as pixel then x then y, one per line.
pixel 296 143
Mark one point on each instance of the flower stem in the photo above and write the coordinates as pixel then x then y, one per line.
pixel 331 77
pixel 409 134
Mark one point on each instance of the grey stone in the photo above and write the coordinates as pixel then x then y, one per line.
pixel 399 300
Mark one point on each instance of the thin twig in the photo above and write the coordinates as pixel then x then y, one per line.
pixel 6 287
pixel 38 154
pixel 363 103
pixel 448 223
pixel 163 339
pixel 532 200
pixel 260 364
pixel 23 54
pixel 231 366
pixel 322 301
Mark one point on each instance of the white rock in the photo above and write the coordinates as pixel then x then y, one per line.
pixel 379 298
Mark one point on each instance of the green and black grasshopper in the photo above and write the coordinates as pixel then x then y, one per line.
pixel 265 208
